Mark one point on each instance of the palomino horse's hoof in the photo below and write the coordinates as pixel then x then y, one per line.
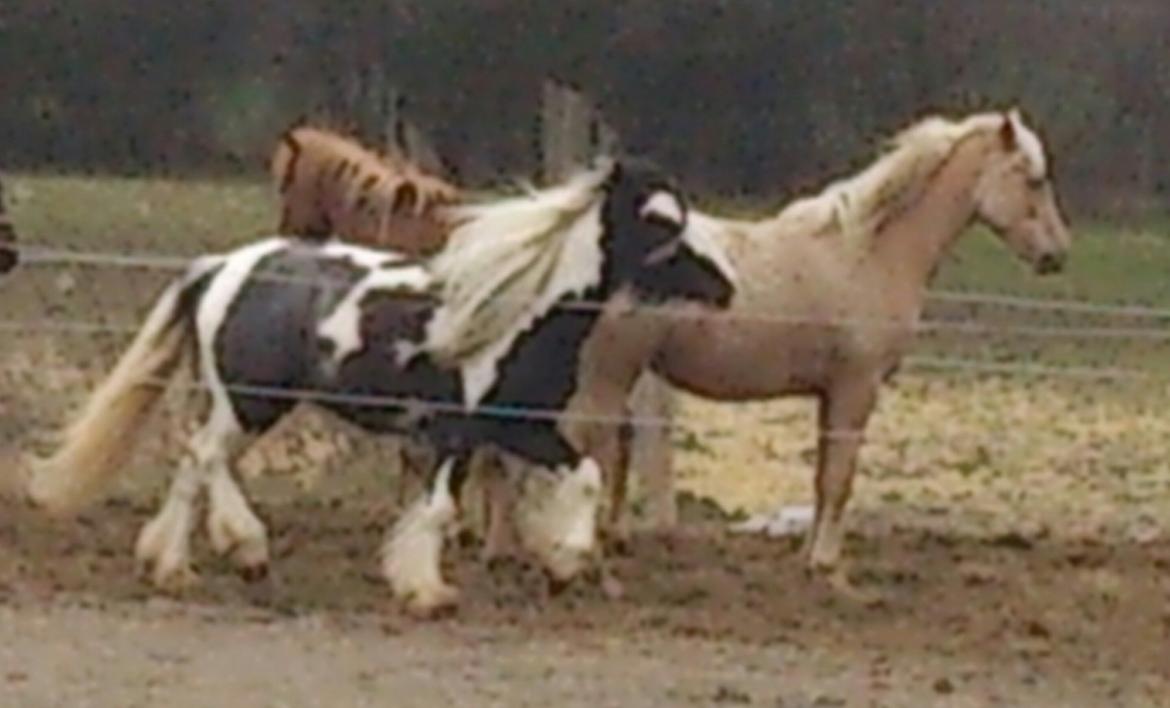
pixel 840 587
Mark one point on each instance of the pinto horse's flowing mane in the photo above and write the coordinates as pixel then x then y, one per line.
pixel 860 204
pixel 508 262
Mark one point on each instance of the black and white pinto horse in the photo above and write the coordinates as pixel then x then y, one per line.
pixel 456 350
pixel 9 257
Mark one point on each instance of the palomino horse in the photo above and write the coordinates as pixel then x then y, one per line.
pixel 332 186
pixel 831 288
pixel 455 350
pixel 9 256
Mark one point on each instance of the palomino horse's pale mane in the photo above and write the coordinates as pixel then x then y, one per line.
pixel 507 262
pixel 857 206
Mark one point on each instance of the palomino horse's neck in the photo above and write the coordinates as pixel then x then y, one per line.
pixel 914 242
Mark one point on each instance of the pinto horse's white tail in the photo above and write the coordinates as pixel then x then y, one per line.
pixel 99 441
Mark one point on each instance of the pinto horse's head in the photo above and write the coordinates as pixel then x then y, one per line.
pixel 8 253
pixel 657 248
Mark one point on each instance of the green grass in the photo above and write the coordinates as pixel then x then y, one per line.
pixel 140 216
pixel 1108 264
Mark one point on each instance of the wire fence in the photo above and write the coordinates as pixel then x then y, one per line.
pixel 36 256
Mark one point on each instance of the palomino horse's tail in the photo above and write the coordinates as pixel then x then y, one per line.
pixel 99 441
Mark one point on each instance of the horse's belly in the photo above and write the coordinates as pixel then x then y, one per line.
pixel 743 366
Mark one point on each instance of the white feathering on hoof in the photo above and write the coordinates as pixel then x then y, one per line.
pixel 412 555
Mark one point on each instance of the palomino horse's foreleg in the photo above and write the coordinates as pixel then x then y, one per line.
pixel 164 544
pixel 648 451
pixel 412 553
pixel 844 412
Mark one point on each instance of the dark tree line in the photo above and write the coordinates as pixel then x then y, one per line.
pixel 740 97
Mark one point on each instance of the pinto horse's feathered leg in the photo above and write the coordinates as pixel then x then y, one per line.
pixel 413 550
pixel 163 548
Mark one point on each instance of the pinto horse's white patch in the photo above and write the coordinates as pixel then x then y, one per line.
pixel 343 326
pixel 577 269
pixel 665 206
pixel 364 257
pixel 217 300
pixel 506 266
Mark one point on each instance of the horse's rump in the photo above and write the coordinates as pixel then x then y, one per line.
pixel 332 186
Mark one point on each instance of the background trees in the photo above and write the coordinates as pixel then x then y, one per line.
pixel 751 98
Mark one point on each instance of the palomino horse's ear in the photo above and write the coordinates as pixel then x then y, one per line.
pixel 1007 131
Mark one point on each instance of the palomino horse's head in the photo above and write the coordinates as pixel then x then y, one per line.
pixel 8 253
pixel 1015 197
pixel 658 250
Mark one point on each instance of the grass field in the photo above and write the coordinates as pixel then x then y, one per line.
pixel 980 498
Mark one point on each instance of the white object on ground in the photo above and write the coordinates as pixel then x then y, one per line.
pixel 781 523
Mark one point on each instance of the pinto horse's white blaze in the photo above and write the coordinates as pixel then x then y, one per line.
pixel 412 553
pixel 343 326
pixel 557 519
pixel 664 206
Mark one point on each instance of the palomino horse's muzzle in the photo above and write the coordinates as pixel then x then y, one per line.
pixel 1050 263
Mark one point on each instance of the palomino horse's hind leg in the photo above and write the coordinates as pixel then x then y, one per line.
pixel 412 553
pixel 164 544
pixel 844 413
